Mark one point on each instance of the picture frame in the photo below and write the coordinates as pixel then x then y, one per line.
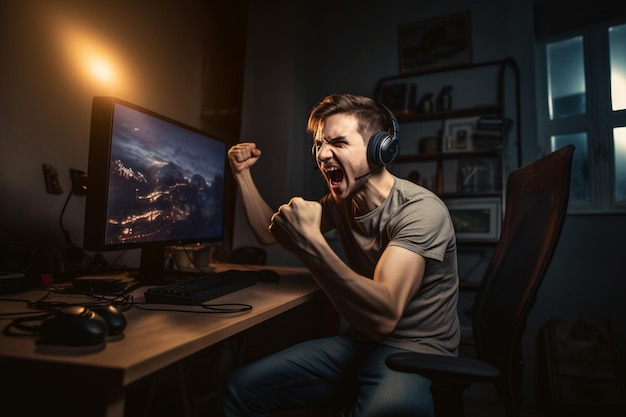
pixel 434 44
pixel 476 219
pixel 457 134
pixel 479 175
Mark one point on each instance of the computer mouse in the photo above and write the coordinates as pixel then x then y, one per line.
pixel 73 326
pixel 267 275
pixel 115 319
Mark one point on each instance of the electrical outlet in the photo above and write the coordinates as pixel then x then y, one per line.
pixel 79 181
pixel 53 186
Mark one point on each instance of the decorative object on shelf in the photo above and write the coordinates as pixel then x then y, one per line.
pixel 471 175
pixel 429 145
pixel 426 103
pixel 437 43
pixel 457 134
pixel 444 99
pixel 421 173
pixel 399 97
pixel 479 175
pixel 476 219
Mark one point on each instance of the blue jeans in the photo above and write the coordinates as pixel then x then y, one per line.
pixel 334 372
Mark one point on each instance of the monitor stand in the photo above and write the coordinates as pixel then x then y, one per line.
pixel 152 264
pixel 152 269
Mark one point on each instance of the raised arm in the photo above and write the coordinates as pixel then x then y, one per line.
pixel 374 306
pixel 258 213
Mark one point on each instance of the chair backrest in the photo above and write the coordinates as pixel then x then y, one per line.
pixel 536 205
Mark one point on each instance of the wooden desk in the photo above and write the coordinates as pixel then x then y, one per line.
pixel 152 341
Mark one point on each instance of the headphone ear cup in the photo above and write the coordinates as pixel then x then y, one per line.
pixel 382 149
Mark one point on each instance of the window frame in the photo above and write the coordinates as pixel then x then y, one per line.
pixel 599 119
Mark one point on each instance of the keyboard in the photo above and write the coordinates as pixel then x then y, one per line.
pixel 202 288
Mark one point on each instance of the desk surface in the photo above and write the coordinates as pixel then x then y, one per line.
pixel 155 339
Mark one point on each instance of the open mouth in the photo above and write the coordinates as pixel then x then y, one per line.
pixel 334 175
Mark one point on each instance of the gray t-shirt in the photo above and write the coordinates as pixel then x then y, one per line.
pixel 413 218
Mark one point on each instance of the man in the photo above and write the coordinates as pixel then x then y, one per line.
pixel 398 290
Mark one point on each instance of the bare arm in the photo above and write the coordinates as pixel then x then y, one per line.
pixel 374 306
pixel 258 213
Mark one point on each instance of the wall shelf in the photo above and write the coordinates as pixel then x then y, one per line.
pixel 442 156
pixel 469 172
pixel 414 116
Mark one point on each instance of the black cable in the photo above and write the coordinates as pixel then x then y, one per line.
pixel 122 302
pixel 66 234
pixel 26 330
pixel 213 308
pixel 20 313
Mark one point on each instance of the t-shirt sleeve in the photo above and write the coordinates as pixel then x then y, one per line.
pixel 423 227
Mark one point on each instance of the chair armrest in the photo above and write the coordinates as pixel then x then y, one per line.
pixel 463 370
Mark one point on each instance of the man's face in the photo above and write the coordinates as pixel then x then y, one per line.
pixel 342 155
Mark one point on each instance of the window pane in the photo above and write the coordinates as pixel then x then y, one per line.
pixel 617 50
pixel 619 138
pixel 579 189
pixel 566 78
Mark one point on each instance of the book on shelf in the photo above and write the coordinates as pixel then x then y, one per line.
pixel 486 143
pixel 489 132
pixel 490 123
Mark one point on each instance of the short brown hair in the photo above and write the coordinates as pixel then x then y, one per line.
pixel 369 117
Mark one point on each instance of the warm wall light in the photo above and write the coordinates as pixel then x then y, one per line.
pixel 93 60
pixel 90 58
pixel 101 70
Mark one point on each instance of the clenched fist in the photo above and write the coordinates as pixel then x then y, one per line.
pixel 296 224
pixel 242 156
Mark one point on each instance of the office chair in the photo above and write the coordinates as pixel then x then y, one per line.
pixel 248 255
pixel 536 204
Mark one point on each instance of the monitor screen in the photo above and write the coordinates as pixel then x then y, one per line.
pixel 152 182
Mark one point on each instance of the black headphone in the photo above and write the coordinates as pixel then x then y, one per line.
pixel 382 147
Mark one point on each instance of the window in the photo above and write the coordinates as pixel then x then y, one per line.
pixel 582 92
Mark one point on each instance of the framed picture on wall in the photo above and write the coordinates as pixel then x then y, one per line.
pixel 437 43
pixel 471 175
pixel 476 219
pixel 457 134
pixel 479 175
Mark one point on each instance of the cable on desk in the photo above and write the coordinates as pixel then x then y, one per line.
pixel 18 323
pixel 120 301
pixel 212 308
pixel 25 301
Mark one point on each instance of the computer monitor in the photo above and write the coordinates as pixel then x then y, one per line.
pixel 153 182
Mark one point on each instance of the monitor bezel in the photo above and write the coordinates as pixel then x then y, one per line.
pixel 98 175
